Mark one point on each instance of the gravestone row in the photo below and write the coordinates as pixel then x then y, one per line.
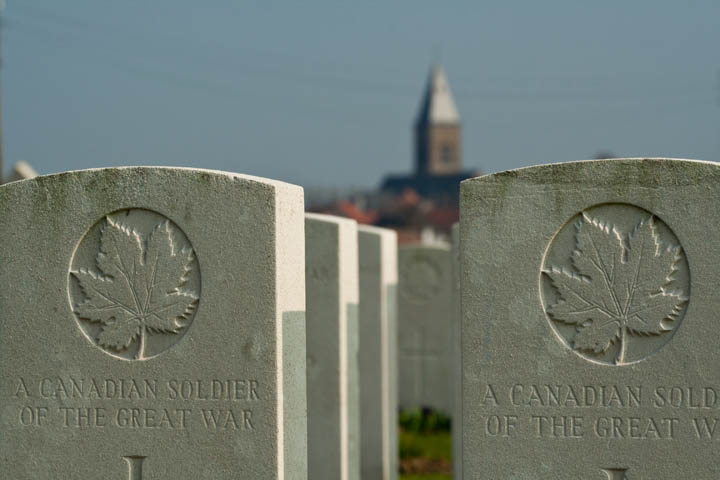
pixel 180 323
pixel 154 326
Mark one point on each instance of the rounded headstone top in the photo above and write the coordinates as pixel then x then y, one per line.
pixel 616 171
pixel 129 173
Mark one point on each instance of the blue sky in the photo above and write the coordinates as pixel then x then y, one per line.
pixel 324 93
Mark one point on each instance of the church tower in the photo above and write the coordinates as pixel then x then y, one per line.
pixel 437 129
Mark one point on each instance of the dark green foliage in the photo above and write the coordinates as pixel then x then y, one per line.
pixel 424 421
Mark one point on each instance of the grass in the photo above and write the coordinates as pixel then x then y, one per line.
pixel 425 477
pixel 433 446
pixel 428 446
pixel 425 445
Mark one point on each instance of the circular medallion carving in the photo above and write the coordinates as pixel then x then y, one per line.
pixel 615 284
pixel 421 279
pixel 134 284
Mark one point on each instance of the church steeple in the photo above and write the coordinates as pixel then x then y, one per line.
pixel 437 129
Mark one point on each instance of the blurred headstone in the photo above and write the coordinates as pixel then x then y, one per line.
pixel 21 171
pixel 456 356
pixel 426 327
pixel 331 279
pixel 377 248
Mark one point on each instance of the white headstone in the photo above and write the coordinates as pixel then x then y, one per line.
pixel 426 327
pixel 331 277
pixel 457 356
pixel 152 326
pixel 590 321
pixel 378 353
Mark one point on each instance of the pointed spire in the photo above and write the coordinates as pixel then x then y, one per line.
pixel 438 105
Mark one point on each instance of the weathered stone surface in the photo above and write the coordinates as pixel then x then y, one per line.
pixel 331 278
pixel 378 352
pixel 425 327
pixel 456 355
pixel 152 326
pixel 590 321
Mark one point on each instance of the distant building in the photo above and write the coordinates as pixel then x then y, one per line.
pixel 438 147
pixel 426 202
pixel 423 205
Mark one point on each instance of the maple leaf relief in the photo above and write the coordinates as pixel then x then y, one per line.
pixel 621 284
pixel 137 288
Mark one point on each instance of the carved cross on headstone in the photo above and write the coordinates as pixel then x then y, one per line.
pixel 419 351
pixel 615 473
pixel 135 464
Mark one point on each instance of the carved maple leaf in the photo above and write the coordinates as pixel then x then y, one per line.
pixel 621 284
pixel 137 288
